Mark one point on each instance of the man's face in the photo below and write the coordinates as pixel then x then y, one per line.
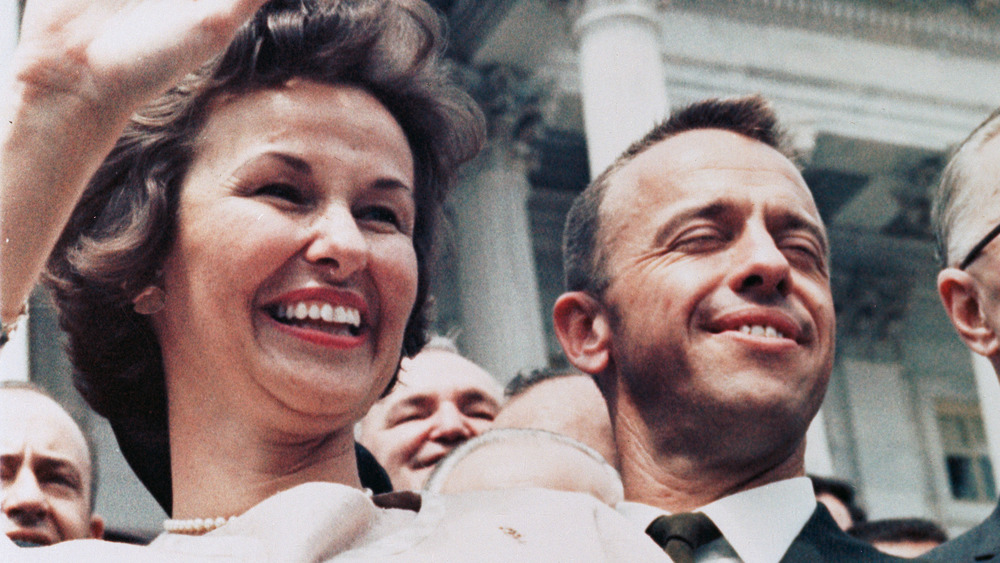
pixel 719 301
pixel 570 405
pixel 45 471
pixel 982 174
pixel 440 401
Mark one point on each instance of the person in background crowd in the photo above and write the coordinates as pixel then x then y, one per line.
pixel 839 498
pixel 965 216
pixel 440 401
pixel 49 483
pixel 903 537
pixel 512 458
pixel 564 402
pixel 698 297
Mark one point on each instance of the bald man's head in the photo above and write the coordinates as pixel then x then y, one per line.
pixel 47 483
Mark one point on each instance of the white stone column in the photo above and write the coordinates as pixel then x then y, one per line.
pixel 888 447
pixel 501 322
pixel 818 459
pixel 989 404
pixel 9 21
pixel 622 80
pixel 14 360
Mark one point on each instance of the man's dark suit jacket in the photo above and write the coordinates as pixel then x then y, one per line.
pixel 822 541
pixel 981 543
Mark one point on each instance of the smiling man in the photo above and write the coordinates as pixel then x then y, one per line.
pixel 966 222
pixel 47 475
pixel 699 299
pixel 440 401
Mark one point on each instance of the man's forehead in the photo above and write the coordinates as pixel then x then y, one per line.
pixel 983 177
pixel 30 419
pixel 695 167
pixel 438 370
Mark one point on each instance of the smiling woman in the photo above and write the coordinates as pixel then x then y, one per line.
pixel 243 261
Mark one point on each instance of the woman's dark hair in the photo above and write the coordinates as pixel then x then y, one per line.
pixel 125 223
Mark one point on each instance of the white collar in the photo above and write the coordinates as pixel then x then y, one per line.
pixel 760 524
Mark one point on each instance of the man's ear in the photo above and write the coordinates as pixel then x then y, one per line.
pixel 962 304
pixel 96 527
pixel 583 330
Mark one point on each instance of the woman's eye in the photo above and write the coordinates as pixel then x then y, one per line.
pixel 380 214
pixel 285 192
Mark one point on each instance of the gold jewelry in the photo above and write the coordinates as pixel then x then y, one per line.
pixel 150 300
pixel 7 329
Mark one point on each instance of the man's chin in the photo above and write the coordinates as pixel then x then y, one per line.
pixel 30 538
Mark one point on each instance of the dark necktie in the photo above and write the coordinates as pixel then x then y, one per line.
pixel 681 534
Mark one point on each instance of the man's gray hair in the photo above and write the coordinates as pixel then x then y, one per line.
pixel 955 205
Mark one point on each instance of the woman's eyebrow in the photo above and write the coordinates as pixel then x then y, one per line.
pixel 298 164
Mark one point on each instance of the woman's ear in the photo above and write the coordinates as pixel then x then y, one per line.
pixel 582 327
pixel 962 303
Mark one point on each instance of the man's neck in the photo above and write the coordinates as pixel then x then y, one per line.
pixel 679 480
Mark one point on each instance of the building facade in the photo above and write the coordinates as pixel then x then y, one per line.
pixel 874 93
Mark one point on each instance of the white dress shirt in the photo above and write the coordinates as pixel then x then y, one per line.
pixel 757 525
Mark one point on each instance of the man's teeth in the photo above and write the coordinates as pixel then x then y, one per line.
pixel 317 311
pixel 760 330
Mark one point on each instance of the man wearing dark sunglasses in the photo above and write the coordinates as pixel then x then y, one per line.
pixel 966 220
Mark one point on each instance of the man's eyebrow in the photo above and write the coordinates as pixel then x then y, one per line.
pixel 65 467
pixel 417 400
pixel 11 458
pixel 711 210
pixel 478 396
pixel 793 221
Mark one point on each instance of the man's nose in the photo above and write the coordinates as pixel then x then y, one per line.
pixel 451 425
pixel 24 502
pixel 761 267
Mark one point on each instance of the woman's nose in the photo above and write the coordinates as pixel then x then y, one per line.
pixel 337 242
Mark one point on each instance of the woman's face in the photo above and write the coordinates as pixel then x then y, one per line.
pixel 293 272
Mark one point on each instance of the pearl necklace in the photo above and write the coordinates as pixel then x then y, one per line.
pixel 194 526
pixel 199 526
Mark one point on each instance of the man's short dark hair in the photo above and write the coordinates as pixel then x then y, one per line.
pixel 842 491
pixel 899 530
pixel 583 259
pixel 527 379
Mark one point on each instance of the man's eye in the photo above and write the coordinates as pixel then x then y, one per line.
pixel 806 252
pixel 60 481
pixel 483 414
pixel 286 192
pixel 700 238
pixel 408 417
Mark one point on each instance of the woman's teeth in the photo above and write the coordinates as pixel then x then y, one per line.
pixel 760 330
pixel 317 311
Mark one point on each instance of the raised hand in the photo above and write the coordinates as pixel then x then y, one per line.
pixel 121 53
pixel 82 67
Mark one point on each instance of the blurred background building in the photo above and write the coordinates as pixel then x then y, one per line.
pixel 874 94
